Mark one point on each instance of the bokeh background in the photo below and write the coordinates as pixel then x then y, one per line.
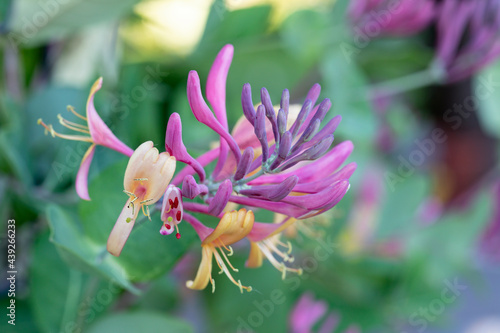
pixel 414 246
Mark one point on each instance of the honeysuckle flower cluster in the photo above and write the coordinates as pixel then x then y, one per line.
pixel 307 312
pixel 468 32
pixel 276 158
pixel 468 36
pixel 389 17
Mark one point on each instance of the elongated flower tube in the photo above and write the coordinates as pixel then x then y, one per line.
pixel 233 226
pixel 95 132
pixel 468 36
pixel 146 179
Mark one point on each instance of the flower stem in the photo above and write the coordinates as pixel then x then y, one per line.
pixel 433 74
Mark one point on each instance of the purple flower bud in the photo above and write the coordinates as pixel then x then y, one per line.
pixel 285 101
pixel 260 131
pixel 303 114
pixel 322 110
pixel 281 121
pixel 270 114
pixel 190 188
pixel 221 198
pixel 275 192
pixel 283 150
pixel 284 188
pixel 310 131
pixel 310 154
pixel 247 104
pixel 175 146
pixel 320 149
pixel 245 163
pixel 329 129
pixel 313 93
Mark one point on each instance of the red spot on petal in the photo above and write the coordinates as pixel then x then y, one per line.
pixel 178 235
pixel 178 215
pixel 176 202
pixel 168 226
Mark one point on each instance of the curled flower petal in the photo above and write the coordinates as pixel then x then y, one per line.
pixel 175 146
pixel 203 114
pixel 81 182
pixel 122 229
pixel 233 227
pixel 204 271
pixel 216 83
pixel 99 132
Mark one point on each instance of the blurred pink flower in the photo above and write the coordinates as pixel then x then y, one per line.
pixel 307 312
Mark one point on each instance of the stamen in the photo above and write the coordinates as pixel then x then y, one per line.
pixel 147 209
pixel 131 202
pixel 72 110
pixel 73 126
pixel 280 266
pixel 221 264
pixel 140 179
pixel 50 129
pixel 227 260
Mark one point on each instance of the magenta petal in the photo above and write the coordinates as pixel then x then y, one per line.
pixel 175 146
pixel 306 313
pixel 100 133
pixel 204 115
pixel 277 207
pixel 319 185
pixel 321 199
pixel 81 182
pixel 216 83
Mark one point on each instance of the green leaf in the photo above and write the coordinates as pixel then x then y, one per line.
pixel 134 322
pixel 34 22
pixel 55 288
pixel 346 85
pixel 81 252
pixel 305 34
